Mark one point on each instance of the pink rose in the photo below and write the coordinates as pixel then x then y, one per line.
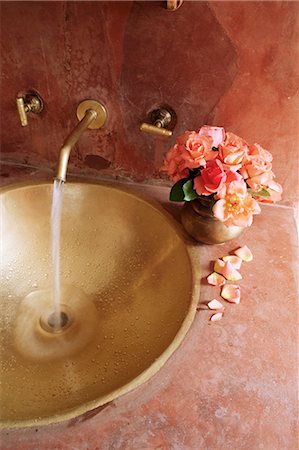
pixel 233 151
pixel 211 178
pixel 216 133
pixel 195 149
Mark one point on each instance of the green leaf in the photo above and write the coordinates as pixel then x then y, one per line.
pixel 177 193
pixel 190 193
pixel 262 193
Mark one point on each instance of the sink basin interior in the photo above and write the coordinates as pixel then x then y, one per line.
pixel 126 265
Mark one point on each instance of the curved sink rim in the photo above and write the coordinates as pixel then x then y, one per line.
pixel 87 407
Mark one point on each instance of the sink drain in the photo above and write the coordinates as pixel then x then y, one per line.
pixel 43 333
pixel 56 322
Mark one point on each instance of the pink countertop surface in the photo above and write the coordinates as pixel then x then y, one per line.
pixel 232 384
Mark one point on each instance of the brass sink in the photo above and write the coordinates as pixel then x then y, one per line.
pixel 128 276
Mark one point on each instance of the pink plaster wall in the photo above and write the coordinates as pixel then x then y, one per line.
pixel 223 63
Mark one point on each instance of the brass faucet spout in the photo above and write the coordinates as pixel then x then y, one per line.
pixel 71 140
pixel 91 114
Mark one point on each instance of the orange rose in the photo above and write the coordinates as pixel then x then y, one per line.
pixel 174 165
pixel 195 149
pixel 233 151
pixel 258 162
pixel 190 152
pixel 258 174
pixel 237 207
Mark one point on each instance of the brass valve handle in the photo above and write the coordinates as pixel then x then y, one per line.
pixel 160 119
pixel 156 130
pixel 30 103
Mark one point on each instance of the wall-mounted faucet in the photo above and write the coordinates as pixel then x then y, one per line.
pixel 30 102
pixel 91 114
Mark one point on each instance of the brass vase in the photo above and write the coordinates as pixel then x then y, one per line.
pixel 199 222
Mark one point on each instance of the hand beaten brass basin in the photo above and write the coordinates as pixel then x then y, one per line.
pixel 127 274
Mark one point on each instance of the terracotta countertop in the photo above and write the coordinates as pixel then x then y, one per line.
pixel 232 384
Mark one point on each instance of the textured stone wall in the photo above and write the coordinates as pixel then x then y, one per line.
pixel 224 63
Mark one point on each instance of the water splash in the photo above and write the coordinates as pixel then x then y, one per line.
pixel 55 241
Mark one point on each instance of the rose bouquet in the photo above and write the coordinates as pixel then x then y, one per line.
pixel 226 172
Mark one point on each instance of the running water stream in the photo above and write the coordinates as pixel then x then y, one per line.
pixel 55 242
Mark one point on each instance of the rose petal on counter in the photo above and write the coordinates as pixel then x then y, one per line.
pixel 219 266
pixel 235 260
pixel 215 304
pixel 230 273
pixel 216 279
pixel 231 293
pixel 244 253
pixel 216 317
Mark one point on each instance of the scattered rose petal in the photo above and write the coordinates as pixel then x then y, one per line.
pixel 234 260
pixel 231 293
pixel 215 304
pixel 219 266
pixel 216 317
pixel 244 253
pixel 230 273
pixel 216 279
